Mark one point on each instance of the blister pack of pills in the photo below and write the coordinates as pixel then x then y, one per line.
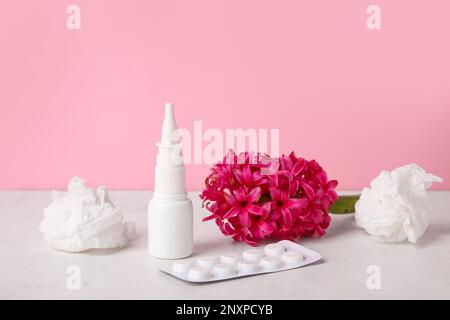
pixel 275 257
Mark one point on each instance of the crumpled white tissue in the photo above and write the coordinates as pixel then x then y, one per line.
pixel 395 207
pixel 83 219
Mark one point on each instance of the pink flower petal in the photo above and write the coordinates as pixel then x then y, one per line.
pixel 275 214
pixel 287 217
pixel 332 184
pixel 254 195
pixel 284 196
pixel 298 167
pixel 285 163
pixel 332 195
pixel 273 180
pixel 209 218
pixel 225 228
pixel 254 209
pixel 265 210
pixel 229 199
pixel 275 193
pixel 308 190
pixel 284 174
pixel 293 187
pixel 260 180
pixel 250 242
pixel 232 212
pixel 240 194
pixel 323 178
pixel 264 228
pixel 247 174
pixel 293 203
pixel 316 216
pixel 244 218
pixel 239 176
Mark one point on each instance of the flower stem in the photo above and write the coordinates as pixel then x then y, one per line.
pixel 344 204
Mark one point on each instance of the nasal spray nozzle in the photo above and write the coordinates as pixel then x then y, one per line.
pixel 169 133
pixel 170 226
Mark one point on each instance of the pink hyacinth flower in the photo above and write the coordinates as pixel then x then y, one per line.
pixel 242 204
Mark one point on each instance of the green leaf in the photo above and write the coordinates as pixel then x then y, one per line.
pixel 345 204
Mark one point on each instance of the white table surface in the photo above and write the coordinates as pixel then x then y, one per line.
pixel 29 269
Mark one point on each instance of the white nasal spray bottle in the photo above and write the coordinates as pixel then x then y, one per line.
pixel 170 218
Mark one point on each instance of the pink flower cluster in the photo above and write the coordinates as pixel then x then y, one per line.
pixel 256 197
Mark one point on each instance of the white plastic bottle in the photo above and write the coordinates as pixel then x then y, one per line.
pixel 170 217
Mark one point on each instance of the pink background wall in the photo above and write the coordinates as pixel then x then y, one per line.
pixel 90 101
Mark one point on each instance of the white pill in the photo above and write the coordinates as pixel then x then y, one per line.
pixel 206 262
pixel 274 250
pixel 199 273
pixel 270 263
pixel 252 254
pixel 180 267
pixel 229 259
pixel 247 266
pixel 291 258
pixel 224 270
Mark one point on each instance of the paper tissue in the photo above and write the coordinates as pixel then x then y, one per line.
pixel 83 219
pixel 395 207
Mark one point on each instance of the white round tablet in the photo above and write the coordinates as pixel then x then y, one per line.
pixel 223 270
pixel 180 267
pixel 229 259
pixel 247 266
pixel 199 273
pixel 252 254
pixel 291 258
pixel 206 262
pixel 270 263
pixel 274 250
